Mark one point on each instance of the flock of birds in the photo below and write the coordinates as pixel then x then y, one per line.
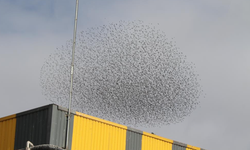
pixel 126 72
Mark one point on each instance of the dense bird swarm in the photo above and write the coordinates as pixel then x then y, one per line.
pixel 127 72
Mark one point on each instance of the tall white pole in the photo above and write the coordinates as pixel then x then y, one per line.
pixel 71 74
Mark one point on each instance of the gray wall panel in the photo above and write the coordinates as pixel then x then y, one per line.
pixel 59 127
pixel 133 139
pixel 179 146
pixel 34 126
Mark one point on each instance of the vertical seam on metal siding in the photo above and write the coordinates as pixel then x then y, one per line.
pixel 52 126
pixel 49 124
pixel 74 138
pixel 71 130
pixel 17 132
pixel 14 133
pixel 126 139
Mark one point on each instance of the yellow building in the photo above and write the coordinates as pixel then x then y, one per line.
pixel 47 125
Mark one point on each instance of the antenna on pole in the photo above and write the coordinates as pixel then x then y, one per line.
pixel 71 74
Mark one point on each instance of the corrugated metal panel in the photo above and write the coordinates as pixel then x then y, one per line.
pixel 154 142
pixel 133 139
pixel 7 132
pixel 34 126
pixel 59 126
pixel 91 133
pixel 190 147
pixel 179 146
pixel 47 125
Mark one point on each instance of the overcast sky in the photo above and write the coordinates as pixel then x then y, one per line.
pixel 213 34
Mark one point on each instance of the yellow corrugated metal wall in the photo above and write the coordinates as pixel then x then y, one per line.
pixel 91 133
pixel 154 142
pixel 7 132
pixel 190 147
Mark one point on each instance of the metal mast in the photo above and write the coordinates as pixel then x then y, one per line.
pixel 72 73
